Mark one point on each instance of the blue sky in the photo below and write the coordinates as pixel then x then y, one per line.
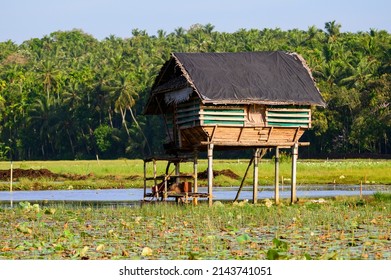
pixel 21 20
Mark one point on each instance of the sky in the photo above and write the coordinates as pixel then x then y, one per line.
pixel 22 20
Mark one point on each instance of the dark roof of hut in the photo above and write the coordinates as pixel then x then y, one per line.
pixel 274 78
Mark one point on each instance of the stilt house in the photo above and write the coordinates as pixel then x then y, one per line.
pixel 233 100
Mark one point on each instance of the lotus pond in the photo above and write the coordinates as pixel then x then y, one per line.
pixel 339 228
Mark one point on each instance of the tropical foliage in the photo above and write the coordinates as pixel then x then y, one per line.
pixel 68 95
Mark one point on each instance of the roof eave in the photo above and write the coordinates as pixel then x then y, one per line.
pixel 261 102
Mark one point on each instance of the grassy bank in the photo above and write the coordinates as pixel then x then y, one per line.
pixel 123 173
pixel 346 228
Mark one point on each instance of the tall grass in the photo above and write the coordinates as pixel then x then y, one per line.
pixel 382 196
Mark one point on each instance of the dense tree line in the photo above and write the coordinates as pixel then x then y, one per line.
pixel 68 95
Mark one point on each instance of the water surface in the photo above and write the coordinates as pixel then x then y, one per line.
pixel 219 193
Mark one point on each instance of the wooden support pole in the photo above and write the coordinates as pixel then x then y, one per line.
pixel 154 176
pixel 166 176
pixel 255 177
pixel 276 175
pixel 145 179
pixel 165 194
pixel 177 172
pixel 11 176
pixel 210 174
pixel 295 151
pixel 154 172
pixel 11 182
pixel 195 171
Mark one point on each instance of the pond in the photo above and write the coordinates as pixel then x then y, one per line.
pixel 130 196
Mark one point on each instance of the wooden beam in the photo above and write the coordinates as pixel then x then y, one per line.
pixel 244 177
pixel 240 133
pixel 254 144
pixel 288 109
pixel 185 137
pixel 222 113
pixel 293 121
pixel 221 118
pixel 295 138
pixel 269 134
pixel 213 133
pixel 273 115
pixel 194 110
pixel 187 120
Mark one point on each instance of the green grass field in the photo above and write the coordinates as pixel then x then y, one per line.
pixel 124 173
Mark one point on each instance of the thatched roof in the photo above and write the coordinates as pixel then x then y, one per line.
pixel 274 78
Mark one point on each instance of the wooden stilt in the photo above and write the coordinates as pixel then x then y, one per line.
pixel 210 174
pixel 154 176
pixel 255 177
pixel 11 182
pixel 177 172
pixel 195 171
pixel 295 151
pixel 145 179
pixel 154 172
pixel 276 175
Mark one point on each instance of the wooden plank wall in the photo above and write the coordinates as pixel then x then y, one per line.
pixel 241 124
pixel 253 135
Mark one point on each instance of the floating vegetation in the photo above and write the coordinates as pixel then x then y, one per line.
pixel 343 228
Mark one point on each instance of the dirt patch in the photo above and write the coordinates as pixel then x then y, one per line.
pixel 45 173
pixel 38 174
pixel 27 173
pixel 226 172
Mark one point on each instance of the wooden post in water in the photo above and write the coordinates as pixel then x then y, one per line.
pixel 255 177
pixel 295 151
pixel 210 174
pixel 195 171
pixel 276 176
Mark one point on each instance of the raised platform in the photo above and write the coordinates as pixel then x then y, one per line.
pixel 183 197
